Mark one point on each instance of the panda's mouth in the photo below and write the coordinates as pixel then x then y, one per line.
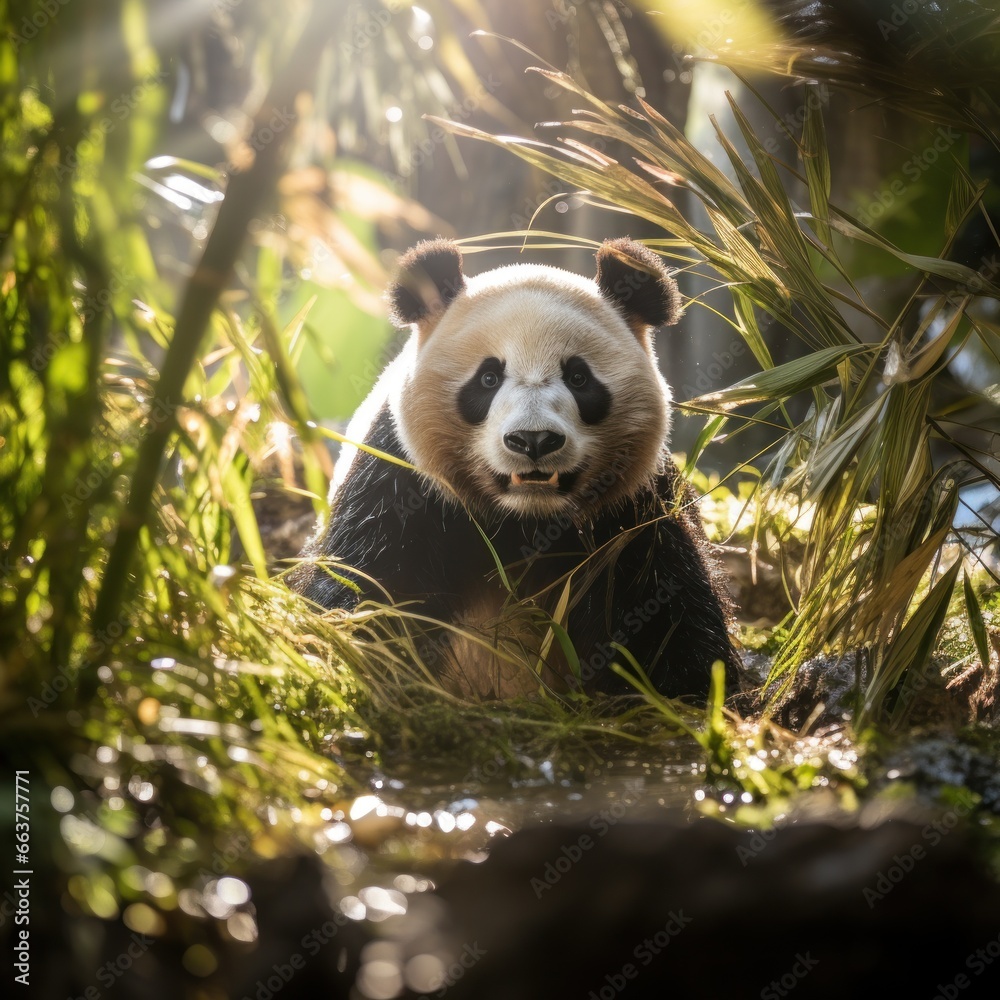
pixel 535 476
pixel 536 480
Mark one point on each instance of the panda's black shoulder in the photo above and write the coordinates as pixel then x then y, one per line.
pixel 359 527
pixel 393 524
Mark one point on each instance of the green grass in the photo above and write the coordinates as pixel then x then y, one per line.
pixel 177 705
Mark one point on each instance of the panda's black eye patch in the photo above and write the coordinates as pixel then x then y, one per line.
pixel 591 395
pixel 475 397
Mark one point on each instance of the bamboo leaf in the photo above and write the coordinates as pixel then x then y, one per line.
pixel 497 561
pixel 922 363
pixel 829 461
pixel 384 455
pixel 237 490
pixel 911 648
pixel 557 629
pixel 783 381
pixel 929 265
pixel 745 259
pixel 770 182
pixel 712 427
pixel 816 160
pixel 963 197
pixel 557 617
pixel 902 580
pixel 723 193
pixel 749 327
pixel 976 623
pixel 612 182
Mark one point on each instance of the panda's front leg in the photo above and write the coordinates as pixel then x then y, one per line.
pixel 663 601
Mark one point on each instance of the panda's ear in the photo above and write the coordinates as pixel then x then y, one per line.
pixel 635 281
pixel 430 276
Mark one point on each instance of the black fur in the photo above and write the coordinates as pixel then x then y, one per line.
pixel 430 276
pixel 592 397
pixel 635 280
pixel 656 597
pixel 475 398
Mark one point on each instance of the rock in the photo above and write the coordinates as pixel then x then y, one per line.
pixel 705 910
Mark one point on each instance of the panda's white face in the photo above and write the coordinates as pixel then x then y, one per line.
pixel 531 393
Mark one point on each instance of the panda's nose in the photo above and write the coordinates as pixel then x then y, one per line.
pixel 534 444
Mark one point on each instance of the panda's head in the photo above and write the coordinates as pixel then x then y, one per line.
pixel 529 388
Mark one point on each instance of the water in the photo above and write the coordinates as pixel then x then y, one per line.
pixel 416 814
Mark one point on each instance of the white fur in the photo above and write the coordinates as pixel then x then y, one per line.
pixel 385 388
pixel 532 317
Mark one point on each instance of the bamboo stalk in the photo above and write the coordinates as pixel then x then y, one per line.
pixel 244 196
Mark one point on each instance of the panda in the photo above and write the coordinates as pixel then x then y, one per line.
pixel 534 423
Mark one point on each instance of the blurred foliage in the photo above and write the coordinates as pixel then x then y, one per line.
pixel 162 732
pixel 936 60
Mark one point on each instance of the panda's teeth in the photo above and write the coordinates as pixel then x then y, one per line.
pixel 535 478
